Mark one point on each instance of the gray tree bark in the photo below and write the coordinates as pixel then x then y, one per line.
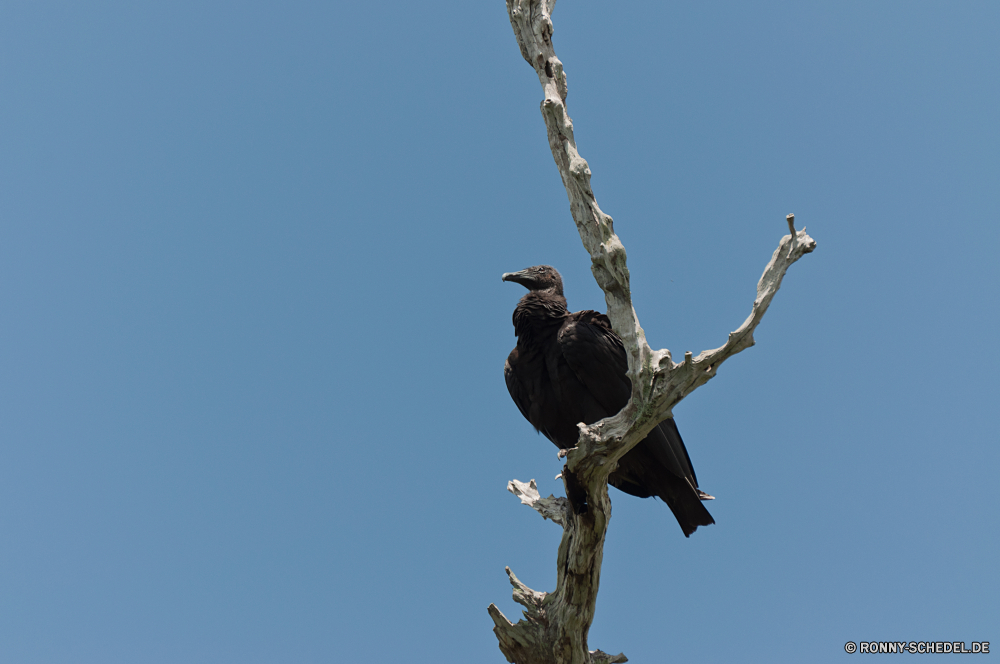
pixel 555 625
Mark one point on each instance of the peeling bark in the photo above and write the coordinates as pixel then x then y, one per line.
pixel 555 625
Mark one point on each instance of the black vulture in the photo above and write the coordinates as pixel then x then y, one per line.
pixel 571 367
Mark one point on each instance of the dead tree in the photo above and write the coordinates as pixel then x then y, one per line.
pixel 555 625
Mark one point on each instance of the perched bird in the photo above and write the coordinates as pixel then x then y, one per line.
pixel 569 368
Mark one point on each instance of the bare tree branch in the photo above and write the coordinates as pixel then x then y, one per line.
pixel 556 624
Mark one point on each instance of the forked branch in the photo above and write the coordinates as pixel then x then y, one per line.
pixel 556 624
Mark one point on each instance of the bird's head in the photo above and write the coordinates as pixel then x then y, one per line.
pixel 537 278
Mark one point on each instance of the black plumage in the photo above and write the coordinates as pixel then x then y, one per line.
pixel 571 367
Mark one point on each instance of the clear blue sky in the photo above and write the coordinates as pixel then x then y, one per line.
pixel 251 397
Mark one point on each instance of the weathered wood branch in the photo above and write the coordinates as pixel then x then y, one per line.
pixel 556 624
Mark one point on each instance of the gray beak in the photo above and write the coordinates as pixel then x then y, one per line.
pixel 518 277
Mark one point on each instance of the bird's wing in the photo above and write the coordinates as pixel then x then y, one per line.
pixel 596 356
pixel 517 391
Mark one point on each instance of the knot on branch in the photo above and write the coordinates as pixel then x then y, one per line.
pixel 580 169
pixel 611 258
pixel 554 112
pixel 532 23
pixel 803 242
